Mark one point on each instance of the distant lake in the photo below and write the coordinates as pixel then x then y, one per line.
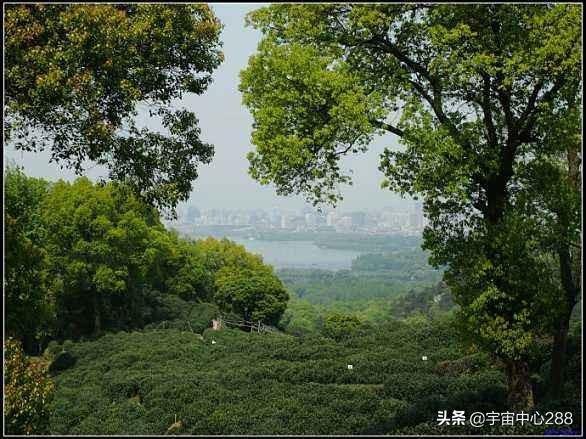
pixel 299 254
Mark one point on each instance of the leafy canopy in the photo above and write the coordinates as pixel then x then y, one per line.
pixel 76 75
pixel 26 290
pixel 468 79
pixel 83 258
pixel 255 293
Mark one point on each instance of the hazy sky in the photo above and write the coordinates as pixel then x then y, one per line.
pixel 226 123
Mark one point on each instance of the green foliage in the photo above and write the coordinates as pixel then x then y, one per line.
pixel 482 93
pixel 187 316
pixel 315 59
pixel 429 301
pixel 372 294
pixel 175 266
pixel 76 73
pixel 343 286
pixel 412 264
pixel 63 360
pixel 26 291
pixel 97 237
pixel 201 315
pixel 285 88
pixel 371 289
pixel 245 383
pixel 396 244
pixel 301 318
pixel 250 383
pixel 340 326
pixel 218 254
pixel 87 258
pixel 28 392
pixel 256 295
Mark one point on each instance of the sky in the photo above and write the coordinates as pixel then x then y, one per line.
pixel 226 123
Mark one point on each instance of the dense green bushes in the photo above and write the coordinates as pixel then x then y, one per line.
pixel 105 262
pixel 272 383
pixel 186 316
pixel 61 361
pixel 340 326
pixel 244 383
pixel 255 294
pixel 372 296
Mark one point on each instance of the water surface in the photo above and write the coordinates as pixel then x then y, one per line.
pixel 299 254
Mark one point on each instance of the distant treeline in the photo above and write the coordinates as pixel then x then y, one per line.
pixel 357 241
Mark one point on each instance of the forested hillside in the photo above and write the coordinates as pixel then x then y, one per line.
pixel 233 382
pixel 371 290
pixel 116 325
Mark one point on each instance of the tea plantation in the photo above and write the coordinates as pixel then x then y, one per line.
pixel 158 381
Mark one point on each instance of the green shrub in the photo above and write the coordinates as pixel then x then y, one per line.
pixel 28 392
pixel 62 360
pixel 339 326
pixel 410 386
pixel 168 307
pixel 201 315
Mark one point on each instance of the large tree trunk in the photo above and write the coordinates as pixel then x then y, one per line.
pixel 558 357
pixel 571 288
pixel 519 390
pixel 570 272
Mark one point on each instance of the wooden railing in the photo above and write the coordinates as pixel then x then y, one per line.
pixel 254 326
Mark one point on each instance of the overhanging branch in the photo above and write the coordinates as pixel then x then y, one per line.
pixel 388 127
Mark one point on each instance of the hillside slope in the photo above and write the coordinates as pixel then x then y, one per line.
pixel 145 382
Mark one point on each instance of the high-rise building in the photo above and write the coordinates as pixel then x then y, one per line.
pixel 331 218
pixel 284 222
pixel 192 214
pixel 419 217
pixel 358 218
pixel 344 224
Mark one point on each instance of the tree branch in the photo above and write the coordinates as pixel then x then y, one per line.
pixel 531 110
pixel 388 127
pixel 488 121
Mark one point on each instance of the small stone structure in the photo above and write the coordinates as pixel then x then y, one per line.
pixel 216 324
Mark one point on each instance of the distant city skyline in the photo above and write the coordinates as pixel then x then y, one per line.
pixel 408 220
pixel 226 123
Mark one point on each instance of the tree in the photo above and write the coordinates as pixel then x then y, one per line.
pixel 75 74
pixel 28 392
pixel 83 258
pixel 97 239
pixel 471 86
pixel 256 295
pixel 173 265
pixel 29 303
pixel 339 326
pixel 219 253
